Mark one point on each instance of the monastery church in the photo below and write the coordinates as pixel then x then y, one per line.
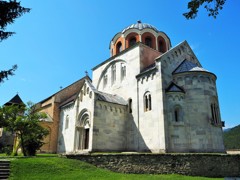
pixel 147 97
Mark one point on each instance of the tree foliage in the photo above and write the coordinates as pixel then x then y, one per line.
pixel 212 7
pixel 9 11
pixel 5 74
pixel 23 121
pixel 232 138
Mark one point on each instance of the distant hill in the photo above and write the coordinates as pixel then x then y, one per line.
pixel 232 138
pixel 226 130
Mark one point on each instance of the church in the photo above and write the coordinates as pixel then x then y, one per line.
pixel 147 97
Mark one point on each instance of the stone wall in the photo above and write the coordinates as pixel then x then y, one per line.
pixel 208 165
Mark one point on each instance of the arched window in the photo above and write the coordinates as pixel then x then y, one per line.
pixel 161 47
pixel 132 41
pixel 148 41
pixel 130 105
pixel 147 101
pixel 177 114
pixel 119 47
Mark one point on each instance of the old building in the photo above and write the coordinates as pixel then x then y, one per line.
pixel 148 96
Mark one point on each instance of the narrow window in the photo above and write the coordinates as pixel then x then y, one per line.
pixel 132 41
pixel 213 115
pixel 123 71
pixel 130 105
pixel 84 89
pixel 67 122
pixel 147 102
pixel 176 115
pixel 113 73
pixel 119 47
pixel 161 47
pixel 148 41
pixel 105 79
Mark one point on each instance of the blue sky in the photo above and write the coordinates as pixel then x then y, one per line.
pixel 59 40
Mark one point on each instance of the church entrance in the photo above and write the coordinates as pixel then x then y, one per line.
pixel 82 133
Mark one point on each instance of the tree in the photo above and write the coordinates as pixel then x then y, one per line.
pixel 9 11
pixel 5 74
pixel 212 6
pixel 23 121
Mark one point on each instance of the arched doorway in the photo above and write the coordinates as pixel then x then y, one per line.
pixel 82 131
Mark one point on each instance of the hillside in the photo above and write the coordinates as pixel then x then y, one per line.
pixel 232 138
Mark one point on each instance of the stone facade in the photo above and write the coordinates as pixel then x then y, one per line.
pixel 147 97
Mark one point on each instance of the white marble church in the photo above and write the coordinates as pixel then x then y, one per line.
pixel 147 97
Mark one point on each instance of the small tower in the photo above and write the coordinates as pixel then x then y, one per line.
pixel 15 100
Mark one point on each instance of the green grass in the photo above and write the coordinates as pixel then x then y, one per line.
pixel 52 168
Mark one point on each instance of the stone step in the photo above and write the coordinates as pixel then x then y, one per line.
pixel 4 165
pixel 4 169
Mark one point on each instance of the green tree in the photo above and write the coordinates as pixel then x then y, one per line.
pixel 23 121
pixel 9 11
pixel 212 7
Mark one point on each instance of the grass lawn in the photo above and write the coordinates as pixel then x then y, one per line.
pixel 42 167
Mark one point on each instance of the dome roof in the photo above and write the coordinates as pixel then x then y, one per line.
pixel 140 26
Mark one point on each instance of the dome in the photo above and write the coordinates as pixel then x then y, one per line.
pixel 140 26
pixel 139 32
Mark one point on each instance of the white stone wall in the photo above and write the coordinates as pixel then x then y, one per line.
pixel 110 128
pixel 151 122
pixel 66 132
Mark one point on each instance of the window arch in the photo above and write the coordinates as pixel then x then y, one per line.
pixel 132 41
pixel 161 45
pixel 148 41
pixel 118 47
pixel 147 101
